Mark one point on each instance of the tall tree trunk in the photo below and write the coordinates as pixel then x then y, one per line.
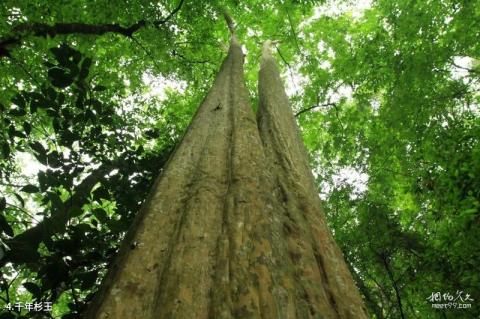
pixel 321 277
pixel 213 240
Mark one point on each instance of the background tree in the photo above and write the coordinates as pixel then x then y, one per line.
pixel 388 96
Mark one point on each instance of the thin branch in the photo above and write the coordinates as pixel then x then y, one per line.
pixel 44 30
pixel 149 55
pixel 315 106
pixel 170 15
pixel 7 286
pixel 181 56
pixel 464 68
pixel 394 283
pixel 23 211
pixel 294 34
pixel 289 68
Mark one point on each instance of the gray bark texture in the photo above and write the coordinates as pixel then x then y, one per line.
pixel 233 226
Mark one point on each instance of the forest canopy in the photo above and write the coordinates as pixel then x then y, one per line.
pixel 95 95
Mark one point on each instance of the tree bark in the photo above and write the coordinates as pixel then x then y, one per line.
pixel 225 232
pixel 321 277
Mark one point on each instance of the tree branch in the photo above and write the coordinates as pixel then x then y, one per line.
pixel 29 240
pixel 315 106
pixel 289 67
pixel 170 15
pixel 294 34
pixel 394 283
pixel 184 58
pixel 464 68
pixel 44 30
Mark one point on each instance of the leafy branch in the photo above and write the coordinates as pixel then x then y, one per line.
pixel 29 240
pixel 43 30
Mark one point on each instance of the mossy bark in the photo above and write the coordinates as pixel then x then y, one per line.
pixel 229 230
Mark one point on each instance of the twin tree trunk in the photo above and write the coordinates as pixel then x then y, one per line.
pixel 233 227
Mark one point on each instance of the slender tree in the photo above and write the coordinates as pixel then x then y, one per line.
pixel 233 226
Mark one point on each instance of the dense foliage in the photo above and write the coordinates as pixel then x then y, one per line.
pixel 96 94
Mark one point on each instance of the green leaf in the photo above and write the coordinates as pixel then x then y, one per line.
pixel 5 226
pixel 5 150
pixel 61 98
pixel 60 78
pixel 83 228
pixel 37 101
pixel 97 105
pixel 27 127
pixel 40 152
pixel 19 100
pixel 88 279
pixel 42 158
pixel 56 201
pixel 100 214
pixel 14 133
pixel 75 211
pixel 54 159
pixel 100 193
pixel 99 88
pixel 20 199
pixel 38 147
pixel 30 189
pixel 85 68
pixel 56 124
pixel 49 93
pixel 65 54
pixel 42 180
pixel 34 289
pixel 17 112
